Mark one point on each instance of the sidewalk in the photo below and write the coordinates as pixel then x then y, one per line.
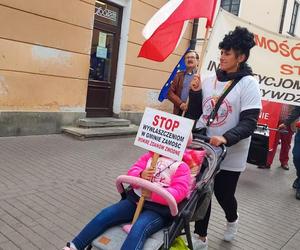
pixel 51 186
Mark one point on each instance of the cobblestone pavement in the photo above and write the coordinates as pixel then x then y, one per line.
pixel 50 186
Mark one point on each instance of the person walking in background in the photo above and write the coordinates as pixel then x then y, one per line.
pixel 285 141
pixel 180 87
pixel 295 114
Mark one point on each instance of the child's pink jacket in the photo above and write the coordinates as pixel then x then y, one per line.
pixel 175 178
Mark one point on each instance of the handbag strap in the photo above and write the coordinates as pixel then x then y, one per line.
pixel 214 112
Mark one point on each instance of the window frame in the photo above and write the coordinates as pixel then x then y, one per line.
pixel 230 6
pixel 293 22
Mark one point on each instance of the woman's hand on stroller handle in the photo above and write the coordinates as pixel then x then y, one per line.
pixel 217 141
pixel 207 139
pixel 214 140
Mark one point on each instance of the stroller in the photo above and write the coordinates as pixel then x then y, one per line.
pixel 191 209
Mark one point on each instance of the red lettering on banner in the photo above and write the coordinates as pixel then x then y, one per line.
pixel 286 69
pixel 272 119
pixel 297 67
pixel 168 124
pixel 155 122
pixel 260 43
pixel 162 121
pixel 171 150
pixel 289 69
pixel 264 116
pixel 278 47
pixel 295 52
pixel 284 49
pixel 165 123
pixel 157 145
pixel 140 139
pixel 272 45
pixel 175 125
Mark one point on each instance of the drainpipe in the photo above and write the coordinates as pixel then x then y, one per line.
pixel 194 34
pixel 282 16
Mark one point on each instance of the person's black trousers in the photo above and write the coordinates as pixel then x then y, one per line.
pixel 224 189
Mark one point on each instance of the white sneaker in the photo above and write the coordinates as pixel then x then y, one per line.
pixel 231 230
pixel 199 244
pixel 70 246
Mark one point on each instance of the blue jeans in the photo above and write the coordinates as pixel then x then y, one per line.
pixel 149 222
pixel 296 155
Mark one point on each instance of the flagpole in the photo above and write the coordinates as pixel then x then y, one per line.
pixel 201 58
pixel 155 156
pixel 145 193
pixel 204 46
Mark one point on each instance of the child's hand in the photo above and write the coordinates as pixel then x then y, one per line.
pixel 146 193
pixel 196 83
pixel 147 174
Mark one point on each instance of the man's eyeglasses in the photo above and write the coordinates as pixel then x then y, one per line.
pixel 190 57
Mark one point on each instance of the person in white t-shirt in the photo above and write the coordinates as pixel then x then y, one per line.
pixel 233 125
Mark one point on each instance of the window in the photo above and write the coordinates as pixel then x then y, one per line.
pixel 294 18
pixel 232 6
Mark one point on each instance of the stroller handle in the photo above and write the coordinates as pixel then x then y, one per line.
pixel 265 127
pixel 136 181
pixel 206 139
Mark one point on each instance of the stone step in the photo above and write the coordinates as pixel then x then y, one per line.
pixel 88 133
pixel 103 122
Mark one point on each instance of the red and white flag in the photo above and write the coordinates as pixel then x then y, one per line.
pixel 164 30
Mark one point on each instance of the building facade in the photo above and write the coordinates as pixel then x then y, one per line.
pixel 279 16
pixel 64 60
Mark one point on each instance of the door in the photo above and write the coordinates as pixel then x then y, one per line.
pixel 104 59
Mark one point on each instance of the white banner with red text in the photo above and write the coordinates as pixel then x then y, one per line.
pixel 164 133
pixel 269 116
pixel 275 59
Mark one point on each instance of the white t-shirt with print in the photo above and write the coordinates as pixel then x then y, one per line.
pixel 244 95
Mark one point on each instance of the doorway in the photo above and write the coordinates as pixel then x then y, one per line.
pixel 104 59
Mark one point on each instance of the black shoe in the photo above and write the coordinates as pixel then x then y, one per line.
pixel 298 194
pixel 264 166
pixel 285 166
pixel 296 183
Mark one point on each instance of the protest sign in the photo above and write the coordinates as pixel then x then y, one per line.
pixel 275 59
pixel 164 133
pixel 269 115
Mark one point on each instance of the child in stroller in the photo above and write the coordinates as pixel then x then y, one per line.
pixel 173 176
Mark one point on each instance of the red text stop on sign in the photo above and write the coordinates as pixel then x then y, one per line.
pixel 165 123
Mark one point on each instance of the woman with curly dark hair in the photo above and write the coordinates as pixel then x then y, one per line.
pixel 234 123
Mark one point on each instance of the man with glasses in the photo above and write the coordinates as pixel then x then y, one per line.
pixel 180 87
